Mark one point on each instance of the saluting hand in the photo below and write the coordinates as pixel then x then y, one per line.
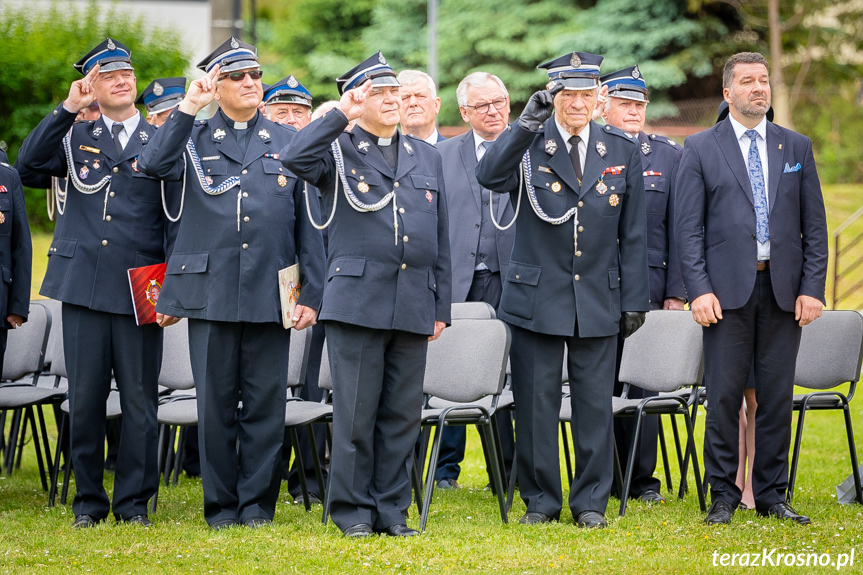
pixel 353 102
pixel 600 103
pixel 201 92
pixel 81 92
pixel 538 108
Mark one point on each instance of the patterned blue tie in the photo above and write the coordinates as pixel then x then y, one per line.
pixel 759 194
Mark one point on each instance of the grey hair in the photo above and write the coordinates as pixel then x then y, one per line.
pixel 414 76
pixel 740 58
pixel 477 80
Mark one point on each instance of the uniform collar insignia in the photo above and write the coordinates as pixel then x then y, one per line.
pixel 97 131
pixel 550 147
pixel 363 146
pixel 645 148
pixel 408 147
pixel 600 148
pixel 144 136
pixel 264 134
pixel 219 134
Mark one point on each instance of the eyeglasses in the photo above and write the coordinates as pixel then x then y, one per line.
pixel 483 108
pixel 241 75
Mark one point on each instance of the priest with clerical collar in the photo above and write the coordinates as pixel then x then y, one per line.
pixel 387 293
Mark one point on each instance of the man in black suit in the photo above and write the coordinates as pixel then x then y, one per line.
pixel 480 252
pixel 577 276
pixel 387 292
pixel 752 238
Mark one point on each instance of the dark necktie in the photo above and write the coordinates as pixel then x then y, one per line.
pixel 115 131
pixel 573 155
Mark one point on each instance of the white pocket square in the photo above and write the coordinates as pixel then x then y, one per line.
pixel 789 169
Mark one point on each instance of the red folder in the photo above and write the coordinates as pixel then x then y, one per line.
pixel 146 283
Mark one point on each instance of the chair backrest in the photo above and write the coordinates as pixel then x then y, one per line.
pixel 472 310
pixel 176 370
pixel 56 350
pixel 298 356
pixel 325 376
pixel 468 361
pixel 831 349
pixel 25 346
pixel 56 308
pixel 665 354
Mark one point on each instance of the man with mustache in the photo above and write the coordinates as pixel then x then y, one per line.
pixel 752 239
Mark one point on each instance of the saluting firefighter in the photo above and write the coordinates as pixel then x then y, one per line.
pixel 114 218
pixel 160 97
pixel 387 293
pixel 625 108
pixel 577 276
pixel 243 221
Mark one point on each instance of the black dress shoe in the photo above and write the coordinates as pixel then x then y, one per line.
pixel 256 522
pixel 447 483
pixel 720 513
pixel 651 496
pixel 591 520
pixel 85 521
pixel 359 530
pixel 141 520
pixel 400 531
pixel 784 511
pixel 223 524
pixel 534 518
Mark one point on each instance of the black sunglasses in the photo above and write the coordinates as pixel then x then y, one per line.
pixel 240 76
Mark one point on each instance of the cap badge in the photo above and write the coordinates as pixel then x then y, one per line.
pixel 234 43
pixel 282 180
pixel 111 45
pixel 158 90
pixel 601 188
pixel 635 73
pixel 264 134
pixel 575 61
pixel 363 187
pixel 429 196
pixel 84 172
pixel 550 147
pixel 555 187
pixel 96 164
pixel 600 148
pixel 408 148
pixel 363 146
pixel 613 199
pixel 292 82
pixel 381 59
pixel 645 148
pixel 97 131
pixel 219 134
pixel 144 136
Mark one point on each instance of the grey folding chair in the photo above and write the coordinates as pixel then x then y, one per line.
pixel 665 356
pixel 831 350
pixel 466 366
pixel 25 356
pixel 472 310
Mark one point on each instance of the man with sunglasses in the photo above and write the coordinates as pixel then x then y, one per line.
pixel 480 252
pixel 387 292
pixel 113 220
pixel 577 277
pixel 244 220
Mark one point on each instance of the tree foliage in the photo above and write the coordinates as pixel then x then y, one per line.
pixel 39 48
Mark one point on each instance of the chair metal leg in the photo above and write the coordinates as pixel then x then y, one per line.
pixel 304 487
pixel 326 506
pixel 42 473
pixel 852 449
pixel 682 459
pixel 13 441
pixel 316 459
pixel 495 431
pixel 795 457
pixel 160 460
pixel 431 469
pixel 618 474
pixel 169 463
pixel 55 471
pixel 664 450
pixel 67 474
pixel 178 460
pixel 496 472
pixel 630 460
pixel 3 432
pixel 513 477
pixel 45 443
pixel 22 439
pixel 699 486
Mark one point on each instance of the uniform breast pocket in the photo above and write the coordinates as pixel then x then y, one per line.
pixel 656 194
pixel 278 181
pixel 90 169
pixel 611 197
pixel 187 279
pixel 215 172
pixel 427 187
pixel 550 193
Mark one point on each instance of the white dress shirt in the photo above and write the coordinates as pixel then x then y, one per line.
pixel 129 126
pixel 584 134
pixel 761 144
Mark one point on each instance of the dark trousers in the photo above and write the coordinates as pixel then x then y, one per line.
pixel 762 333
pixel 486 286
pixel 96 343
pixel 536 361
pixel 645 447
pixel 377 401
pixel 309 392
pixel 241 451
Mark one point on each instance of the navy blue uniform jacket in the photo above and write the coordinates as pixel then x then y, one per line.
pixel 229 249
pixel 372 280
pixel 16 251
pixel 660 159
pixel 716 218
pixel 103 234
pixel 548 285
